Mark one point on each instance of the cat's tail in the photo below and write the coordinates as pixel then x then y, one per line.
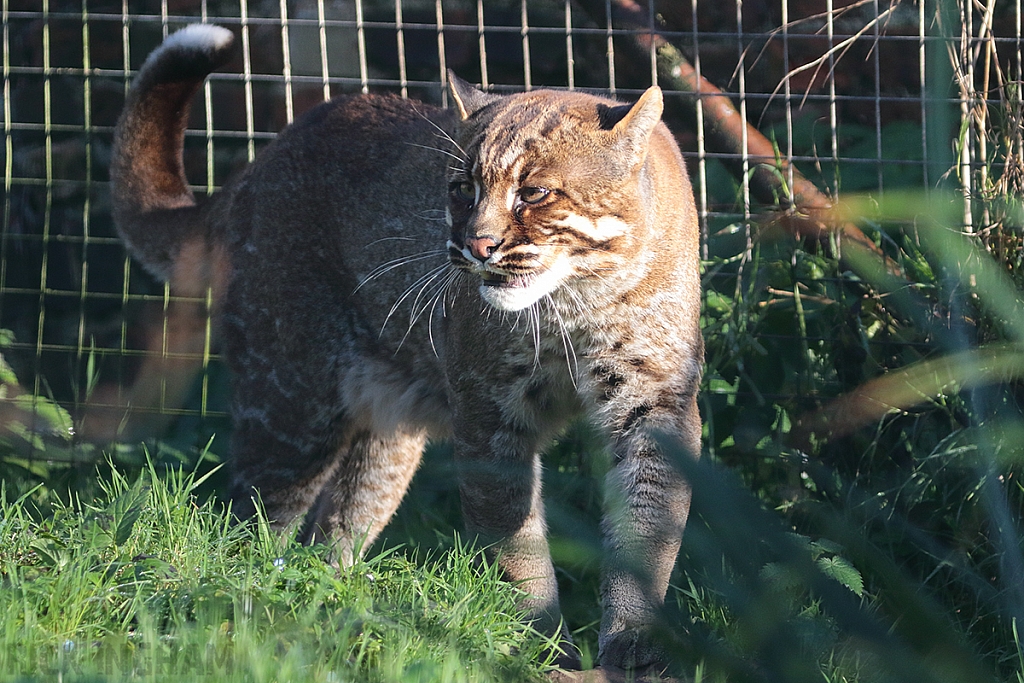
pixel 169 233
pixel 153 207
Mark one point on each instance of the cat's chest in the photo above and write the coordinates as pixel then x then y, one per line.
pixel 534 370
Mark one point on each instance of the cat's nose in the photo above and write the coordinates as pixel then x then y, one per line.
pixel 482 247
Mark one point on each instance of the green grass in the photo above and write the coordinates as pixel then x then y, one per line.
pixel 147 583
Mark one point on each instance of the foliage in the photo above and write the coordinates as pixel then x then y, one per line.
pixel 913 476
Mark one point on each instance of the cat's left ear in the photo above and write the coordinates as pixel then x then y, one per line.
pixel 468 99
pixel 635 128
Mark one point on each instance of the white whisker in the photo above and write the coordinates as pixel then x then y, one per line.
pixel 390 239
pixel 438 149
pixel 534 315
pixel 442 292
pixel 573 364
pixel 416 310
pixel 420 282
pixel 443 134
pixel 438 215
pixel 398 263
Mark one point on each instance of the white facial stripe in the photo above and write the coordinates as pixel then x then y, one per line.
pixel 508 157
pixel 448 218
pixel 510 198
pixel 610 227
pixel 606 227
pixel 517 167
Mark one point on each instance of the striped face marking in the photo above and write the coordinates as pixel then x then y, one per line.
pixel 601 230
pixel 510 198
pixel 546 210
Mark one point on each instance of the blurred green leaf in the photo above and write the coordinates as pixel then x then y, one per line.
pixel 903 389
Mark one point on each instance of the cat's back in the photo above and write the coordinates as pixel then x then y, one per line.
pixel 350 154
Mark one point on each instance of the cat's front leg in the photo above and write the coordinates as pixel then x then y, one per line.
pixel 500 488
pixel 647 503
pixel 506 403
pixel 500 421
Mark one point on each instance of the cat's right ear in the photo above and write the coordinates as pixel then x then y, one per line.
pixel 638 124
pixel 468 99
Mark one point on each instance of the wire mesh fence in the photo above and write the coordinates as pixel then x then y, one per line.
pixel 854 95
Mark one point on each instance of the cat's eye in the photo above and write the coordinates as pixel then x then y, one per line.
pixel 533 195
pixel 463 191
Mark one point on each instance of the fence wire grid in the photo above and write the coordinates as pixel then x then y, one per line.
pixel 856 94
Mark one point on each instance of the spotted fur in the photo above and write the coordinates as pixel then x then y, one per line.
pixel 389 272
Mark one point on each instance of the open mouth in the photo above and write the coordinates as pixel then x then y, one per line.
pixel 491 279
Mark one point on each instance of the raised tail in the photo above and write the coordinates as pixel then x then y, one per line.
pixel 168 233
pixel 153 207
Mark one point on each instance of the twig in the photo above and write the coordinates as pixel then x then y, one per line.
pixel 838 51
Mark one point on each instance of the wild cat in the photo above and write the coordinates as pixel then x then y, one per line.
pixel 389 272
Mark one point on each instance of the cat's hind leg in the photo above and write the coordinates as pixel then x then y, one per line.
pixel 368 483
pixel 281 464
pixel 287 426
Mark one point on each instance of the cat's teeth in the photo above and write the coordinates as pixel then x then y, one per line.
pixel 492 278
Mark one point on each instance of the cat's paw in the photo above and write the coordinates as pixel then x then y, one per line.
pixel 567 658
pixel 609 674
pixel 632 648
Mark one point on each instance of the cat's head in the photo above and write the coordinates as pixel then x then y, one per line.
pixel 547 191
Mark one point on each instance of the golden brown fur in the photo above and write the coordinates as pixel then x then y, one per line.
pixel 396 272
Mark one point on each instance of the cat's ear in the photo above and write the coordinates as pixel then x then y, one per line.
pixel 468 99
pixel 635 128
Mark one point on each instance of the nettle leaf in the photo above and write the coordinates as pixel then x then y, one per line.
pixel 96 533
pixel 842 571
pixel 50 551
